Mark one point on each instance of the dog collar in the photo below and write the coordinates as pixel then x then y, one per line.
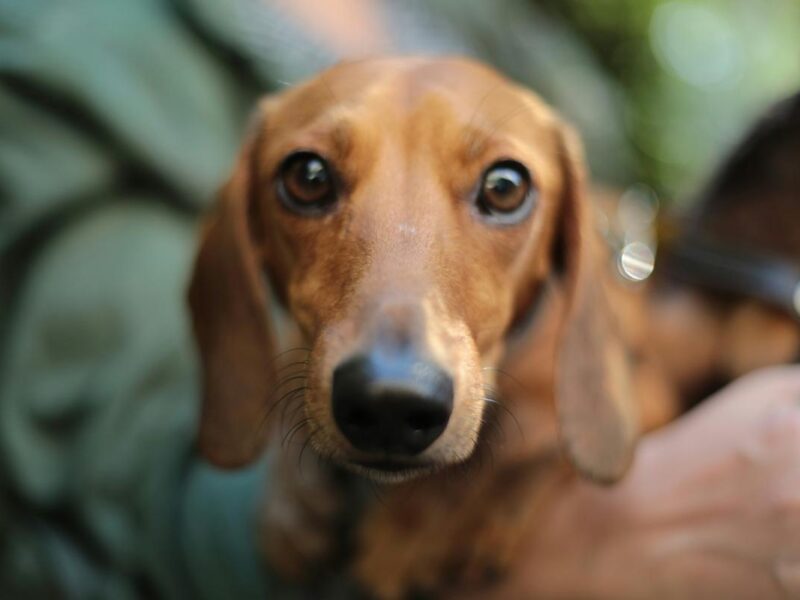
pixel 632 231
pixel 721 268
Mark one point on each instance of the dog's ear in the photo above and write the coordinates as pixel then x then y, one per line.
pixel 595 407
pixel 229 306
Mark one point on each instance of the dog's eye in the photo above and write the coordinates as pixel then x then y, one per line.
pixel 506 192
pixel 305 182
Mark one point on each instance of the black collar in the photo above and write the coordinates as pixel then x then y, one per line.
pixel 722 268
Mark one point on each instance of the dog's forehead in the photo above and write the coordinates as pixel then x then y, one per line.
pixel 411 78
pixel 408 73
pixel 473 93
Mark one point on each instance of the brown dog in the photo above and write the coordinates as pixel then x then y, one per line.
pixel 424 225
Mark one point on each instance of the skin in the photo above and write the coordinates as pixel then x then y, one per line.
pixel 709 510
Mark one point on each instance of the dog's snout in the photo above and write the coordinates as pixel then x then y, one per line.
pixel 394 406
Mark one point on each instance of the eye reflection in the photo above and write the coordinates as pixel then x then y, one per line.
pixel 305 183
pixel 506 192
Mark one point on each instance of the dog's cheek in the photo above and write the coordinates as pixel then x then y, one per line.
pixel 312 299
pixel 453 346
pixel 486 305
pixel 334 342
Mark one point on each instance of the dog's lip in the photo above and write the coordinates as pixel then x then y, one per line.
pixel 390 471
pixel 391 466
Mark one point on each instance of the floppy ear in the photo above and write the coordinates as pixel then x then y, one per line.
pixel 595 407
pixel 228 302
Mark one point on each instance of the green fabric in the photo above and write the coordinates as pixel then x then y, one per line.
pixel 116 123
pixel 218 538
pixel 98 395
pixel 136 72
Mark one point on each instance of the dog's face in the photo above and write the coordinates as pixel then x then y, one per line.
pixel 406 213
pixel 403 229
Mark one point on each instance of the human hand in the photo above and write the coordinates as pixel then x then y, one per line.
pixel 710 509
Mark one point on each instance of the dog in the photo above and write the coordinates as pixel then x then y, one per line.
pixel 449 318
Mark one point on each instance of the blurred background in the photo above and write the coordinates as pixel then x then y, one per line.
pixel 119 119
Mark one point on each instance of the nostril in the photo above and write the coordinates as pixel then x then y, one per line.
pixel 425 420
pixel 359 418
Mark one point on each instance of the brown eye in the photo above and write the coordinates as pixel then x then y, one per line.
pixel 506 193
pixel 305 183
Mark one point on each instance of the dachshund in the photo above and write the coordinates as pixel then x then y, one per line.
pixel 414 239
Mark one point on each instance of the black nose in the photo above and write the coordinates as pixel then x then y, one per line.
pixel 392 405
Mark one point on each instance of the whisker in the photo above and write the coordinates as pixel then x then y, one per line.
pixel 377 492
pixel 303 449
pixel 319 456
pixel 271 399
pixel 287 399
pixel 508 375
pixel 293 430
pixel 298 406
pixel 286 380
pixel 494 425
pixel 292 364
pixel 271 406
pixel 271 364
pixel 490 449
pixel 290 350
pixel 495 403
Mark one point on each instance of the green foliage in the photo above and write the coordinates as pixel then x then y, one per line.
pixel 693 73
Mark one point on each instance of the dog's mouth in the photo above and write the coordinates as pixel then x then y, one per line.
pixel 391 471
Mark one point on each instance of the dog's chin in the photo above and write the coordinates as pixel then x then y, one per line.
pixel 392 472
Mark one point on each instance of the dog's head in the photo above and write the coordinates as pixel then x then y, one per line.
pixel 406 213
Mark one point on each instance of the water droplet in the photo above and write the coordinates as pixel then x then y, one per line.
pixel 636 261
